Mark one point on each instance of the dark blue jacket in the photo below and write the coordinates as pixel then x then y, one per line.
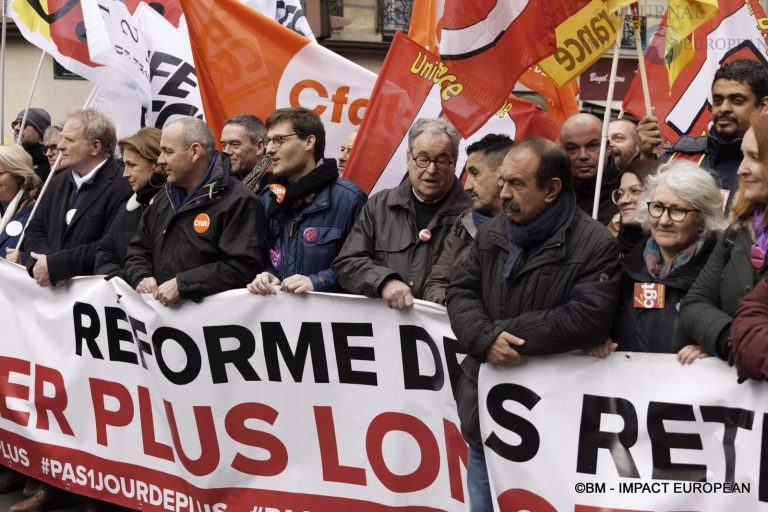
pixel 306 241
pixel 9 241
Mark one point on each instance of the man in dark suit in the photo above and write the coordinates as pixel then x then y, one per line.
pixel 80 202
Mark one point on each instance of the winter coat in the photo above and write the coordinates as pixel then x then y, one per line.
pixel 71 249
pixel 750 333
pixel 214 242
pixel 710 304
pixel 563 298
pixel 384 242
pixel 455 250
pixel 655 330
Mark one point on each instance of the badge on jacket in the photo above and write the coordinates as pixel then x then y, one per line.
pixel 278 191
pixel 201 223
pixel 649 296
pixel 14 228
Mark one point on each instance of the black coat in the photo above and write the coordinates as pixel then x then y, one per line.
pixel 71 248
pixel 655 330
pixel 225 254
pixel 563 298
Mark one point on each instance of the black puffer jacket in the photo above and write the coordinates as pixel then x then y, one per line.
pixel 655 330
pixel 563 298
pixel 215 242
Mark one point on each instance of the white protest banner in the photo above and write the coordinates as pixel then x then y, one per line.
pixel 633 433
pixel 239 403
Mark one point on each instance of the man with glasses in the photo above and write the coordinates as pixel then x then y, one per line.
pixel 400 233
pixel 242 138
pixel 204 233
pixel 580 137
pixel 310 210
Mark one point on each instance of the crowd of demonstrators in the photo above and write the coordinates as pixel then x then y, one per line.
pixel 515 255
pixel 739 89
pixel 400 233
pixel 684 216
pixel 738 261
pixel 481 183
pixel 139 153
pixel 243 138
pixel 542 278
pixel 204 234
pixel 309 209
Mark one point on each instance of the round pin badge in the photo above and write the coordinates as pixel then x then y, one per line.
pixel 757 257
pixel 69 215
pixel 14 228
pixel 425 235
pixel 311 235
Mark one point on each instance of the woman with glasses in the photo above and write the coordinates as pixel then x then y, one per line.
pixel 738 262
pixel 624 224
pixel 682 208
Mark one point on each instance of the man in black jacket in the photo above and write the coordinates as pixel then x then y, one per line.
pixel 541 278
pixel 80 202
pixel 204 233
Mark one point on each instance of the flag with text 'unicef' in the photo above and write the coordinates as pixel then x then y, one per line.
pixel 737 31
pixel 486 45
pixel 406 90
pixel 248 63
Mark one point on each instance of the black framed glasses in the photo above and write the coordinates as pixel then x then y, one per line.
pixel 633 193
pixel 50 147
pixel 676 213
pixel 278 140
pixel 442 163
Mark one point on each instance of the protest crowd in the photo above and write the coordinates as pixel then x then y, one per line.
pixel 673 262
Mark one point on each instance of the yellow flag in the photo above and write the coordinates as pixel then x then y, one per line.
pixel 582 39
pixel 683 17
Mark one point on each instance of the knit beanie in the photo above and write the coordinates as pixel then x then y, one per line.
pixel 37 118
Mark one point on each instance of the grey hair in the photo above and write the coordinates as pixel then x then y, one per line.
pixel 437 126
pixel 195 130
pixel 691 183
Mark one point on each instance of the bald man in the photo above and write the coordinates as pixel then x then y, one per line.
pixel 580 137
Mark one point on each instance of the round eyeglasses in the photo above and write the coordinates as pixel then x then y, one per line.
pixel 676 213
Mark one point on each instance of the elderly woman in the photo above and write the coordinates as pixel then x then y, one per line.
pixel 739 260
pixel 17 180
pixel 624 224
pixel 140 153
pixel 683 211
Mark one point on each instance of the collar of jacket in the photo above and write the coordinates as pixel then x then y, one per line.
pixel 403 197
pixel 213 189
pixel 552 250
pixel 469 223
pixel 633 265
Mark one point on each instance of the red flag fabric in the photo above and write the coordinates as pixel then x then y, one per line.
pixel 485 46
pixel 734 33
pixel 401 95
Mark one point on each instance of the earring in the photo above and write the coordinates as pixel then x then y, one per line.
pixel 161 178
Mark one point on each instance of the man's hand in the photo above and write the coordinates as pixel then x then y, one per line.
pixel 13 255
pixel 40 270
pixel 689 353
pixel 147 285
pixel 167 293
pixel 603 350
pixel 397 294
pixel 297 284
pixel 264 284
pixel 502 352
pixel 650 135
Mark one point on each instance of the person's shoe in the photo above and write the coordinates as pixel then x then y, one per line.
pixel 11 481
pixel 43 501
pixel 30 487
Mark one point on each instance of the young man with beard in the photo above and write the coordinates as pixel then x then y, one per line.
pixel 542 279
pixel 309 208
pixel 739 88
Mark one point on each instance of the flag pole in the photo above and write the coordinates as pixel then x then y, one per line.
pixel 640 57
pixel 607 116
pixel 2 72
pixel 29 99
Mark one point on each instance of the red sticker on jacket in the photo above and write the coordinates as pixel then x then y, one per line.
pixel 649 296
pixel 201 223
pixel 279 191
